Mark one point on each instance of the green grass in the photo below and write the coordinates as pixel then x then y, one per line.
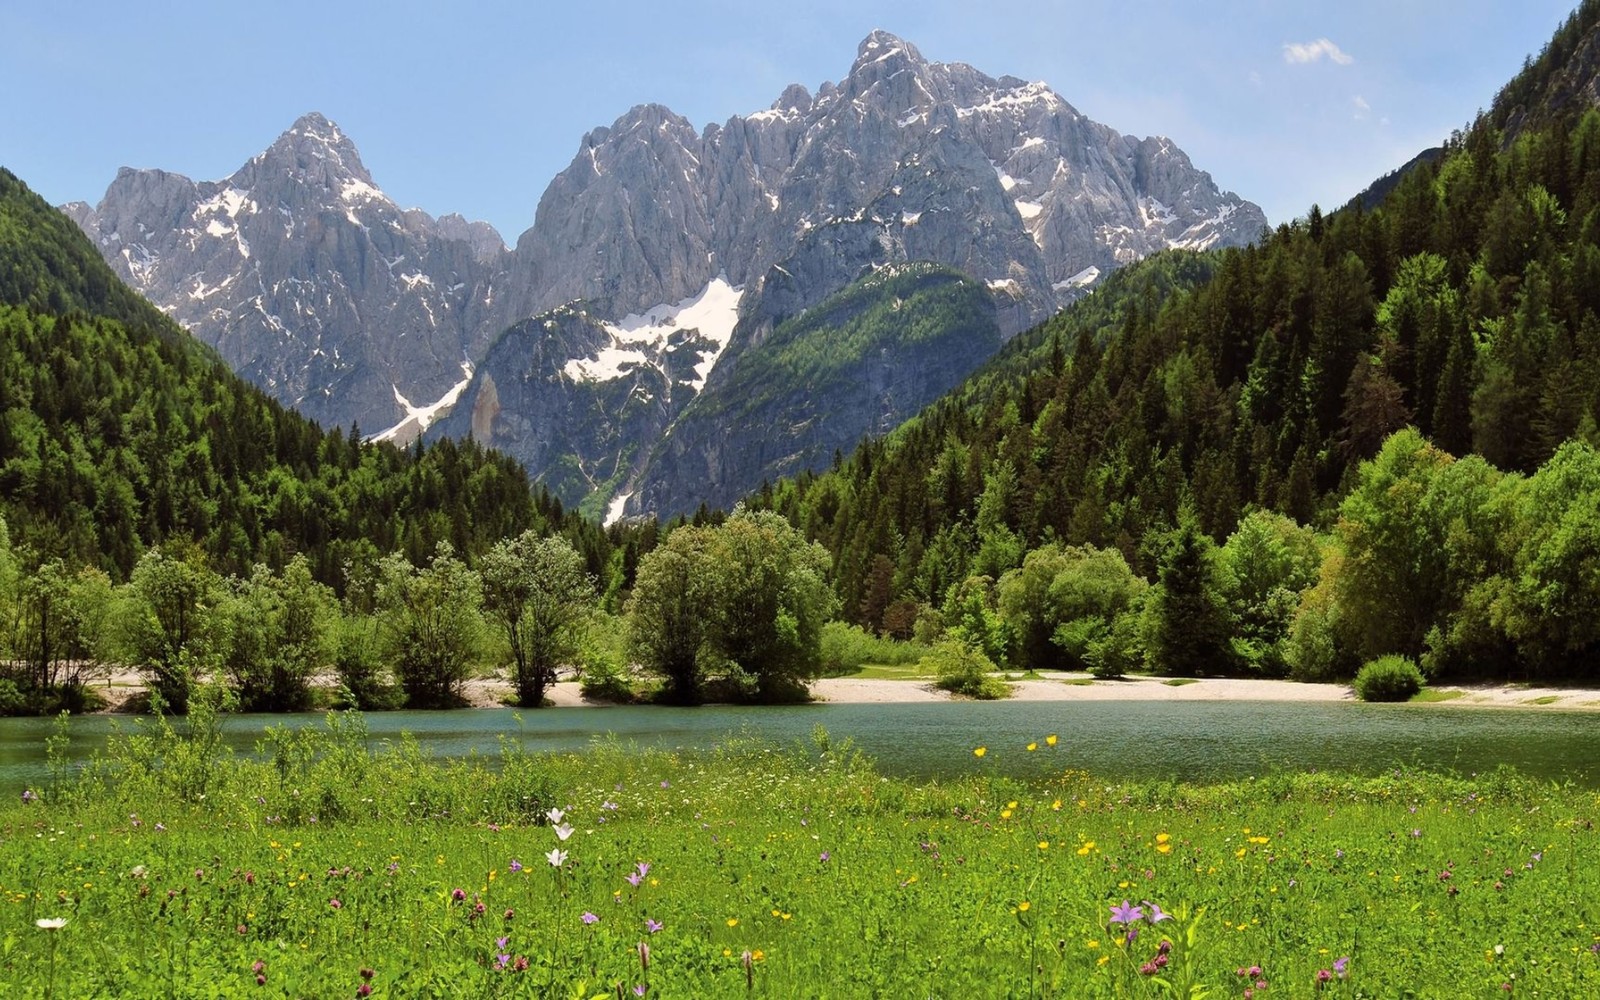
pixel 1429 695
pixel 893 671
pixel 1079 681
pixel 1178 682
pixel 1548 699
pixel 837 881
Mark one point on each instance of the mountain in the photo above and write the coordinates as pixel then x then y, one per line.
pixel 307 278
pixel 119 431
pixel 318 287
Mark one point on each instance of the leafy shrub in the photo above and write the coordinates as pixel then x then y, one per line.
pixel 963 669
pixel 607 680
pixel 12 700
pixel 847 648
pixel 1388 678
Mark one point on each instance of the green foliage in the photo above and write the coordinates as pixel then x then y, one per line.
pixel 603 653
pixel 914 308
pixel 846 648
pixel 1186 622
pixel 666 624
pixel 168 621
pixel 537 594
pixel 1265 565
pixel 275 633
pixel 1388 678
pixel 743 602
pixel 961 668
pixel 430 626
pixel 972 616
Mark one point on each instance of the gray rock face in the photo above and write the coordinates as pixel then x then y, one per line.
pixel 307 278
pixel 644 252
pixel 1000 179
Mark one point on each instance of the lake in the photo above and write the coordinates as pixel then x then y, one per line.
pixel 1188 741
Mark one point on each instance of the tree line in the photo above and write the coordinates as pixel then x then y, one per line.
pixel 732 610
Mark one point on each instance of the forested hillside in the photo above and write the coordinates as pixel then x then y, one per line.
pixel 1188 392
pixel 119 431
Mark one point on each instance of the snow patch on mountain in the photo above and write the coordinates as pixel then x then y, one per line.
pixel 418 418
pixel 641 338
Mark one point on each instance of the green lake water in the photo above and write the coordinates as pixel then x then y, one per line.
pixel 1180 741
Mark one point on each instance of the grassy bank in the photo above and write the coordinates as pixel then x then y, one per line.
pixel 325 869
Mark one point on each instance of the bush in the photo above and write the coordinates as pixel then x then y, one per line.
pixel 607 680
pixel 1388 678
pixel 847 648
pixel 963 669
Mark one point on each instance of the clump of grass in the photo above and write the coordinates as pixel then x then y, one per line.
pixel 963 670
pixel 1429 695
pixel 1547 699
pixel 1178 682
pixel 1388 678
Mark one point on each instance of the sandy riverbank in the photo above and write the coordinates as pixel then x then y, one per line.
pixel 125 688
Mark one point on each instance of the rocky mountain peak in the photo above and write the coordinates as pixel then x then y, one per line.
pixel 795 99
pixel 890 69
pixel 313 151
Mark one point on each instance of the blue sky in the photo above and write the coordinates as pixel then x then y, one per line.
pixel 472 107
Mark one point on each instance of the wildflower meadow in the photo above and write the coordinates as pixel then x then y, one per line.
pixel 326 867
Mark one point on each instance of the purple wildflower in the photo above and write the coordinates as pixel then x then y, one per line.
pixel 589 918
pixel 1339 966
pixel 515 866
pixel 459 895
pixel 634 878
pixel 1126 914
pixel 1157 914
pixel 652 925
pixel 641 989
pixel 28 796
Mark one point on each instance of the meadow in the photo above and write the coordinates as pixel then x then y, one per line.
pixel 320 868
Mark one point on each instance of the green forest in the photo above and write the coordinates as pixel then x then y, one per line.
pixel 1366 443
pixel 1307 395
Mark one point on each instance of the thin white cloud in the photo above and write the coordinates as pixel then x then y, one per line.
pixel 1310 52
pixel 1361 106
pixel 1254 78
